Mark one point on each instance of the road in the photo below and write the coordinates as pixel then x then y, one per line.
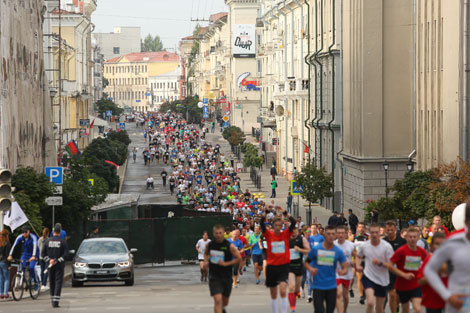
pixel 167 289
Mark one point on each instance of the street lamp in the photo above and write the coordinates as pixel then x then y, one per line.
pixel 386 165
pixel 410 166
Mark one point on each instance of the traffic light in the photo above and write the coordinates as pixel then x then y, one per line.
pixel 5 190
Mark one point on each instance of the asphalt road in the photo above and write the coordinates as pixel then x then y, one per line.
pixel 166 289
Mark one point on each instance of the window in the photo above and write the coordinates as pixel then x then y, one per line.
pixel 117 50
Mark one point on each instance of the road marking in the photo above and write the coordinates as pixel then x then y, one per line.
pixel 34 310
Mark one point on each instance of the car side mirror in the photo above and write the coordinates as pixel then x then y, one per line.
pixel 71 251
pixel 134 250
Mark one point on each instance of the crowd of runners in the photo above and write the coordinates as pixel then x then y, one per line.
pixel 295 260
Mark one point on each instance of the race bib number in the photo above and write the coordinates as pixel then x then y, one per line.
pixel 278 247
pixel 326 258
pixel 465 291
pixel 265 244
pixel 412 263
pixel 216 256
pixel 316 244
pixel 294 255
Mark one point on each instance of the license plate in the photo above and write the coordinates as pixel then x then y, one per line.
pixel 101 272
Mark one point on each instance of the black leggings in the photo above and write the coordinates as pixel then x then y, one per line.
pixel 320 296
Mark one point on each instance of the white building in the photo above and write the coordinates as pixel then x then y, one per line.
pixel 165 87
pixel 123 40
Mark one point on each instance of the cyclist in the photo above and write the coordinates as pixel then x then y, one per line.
pixel 30 252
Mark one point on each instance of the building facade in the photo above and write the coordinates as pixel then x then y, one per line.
pixel 123 40
pixel 26 132
pixel 129 77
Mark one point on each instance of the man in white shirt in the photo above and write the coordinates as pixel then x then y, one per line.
pixel 344 281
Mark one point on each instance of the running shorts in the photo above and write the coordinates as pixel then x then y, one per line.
pixel 344 282
pixel 296 269
pixel 407 295
pixel 257 258
pixel 236 267
pixel 220 286
pixel 276 274
pixel 393 278
pixel 379 291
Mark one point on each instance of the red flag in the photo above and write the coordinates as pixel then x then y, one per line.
pixel 112 163
pixel 92 123
pixel 72 148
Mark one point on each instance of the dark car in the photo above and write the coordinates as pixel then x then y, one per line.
pixel 103 259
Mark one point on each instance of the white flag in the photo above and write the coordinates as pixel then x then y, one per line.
pixel 15 217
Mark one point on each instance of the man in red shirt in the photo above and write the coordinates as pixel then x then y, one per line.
pixel 408 259
pixel 431 299
pixel 278 259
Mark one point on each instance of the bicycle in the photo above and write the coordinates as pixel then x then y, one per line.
pixel 23 281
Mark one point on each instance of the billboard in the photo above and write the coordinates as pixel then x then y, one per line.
pixel 244 41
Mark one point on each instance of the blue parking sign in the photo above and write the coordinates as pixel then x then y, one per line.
pixel 55 174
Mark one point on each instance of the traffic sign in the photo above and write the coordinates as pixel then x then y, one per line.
pixel 205 101
pixel 54 200
pixel 225 118
pixel 138 100
pixel 122 126
pixel 55 174
pixel 226 124
pixel 91 181
pixel 58 190
pixel 296 189
pixel 109 113
pixel 147 94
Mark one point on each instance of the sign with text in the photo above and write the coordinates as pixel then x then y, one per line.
pixel 54 200
pixel 244 41
pixel 246 84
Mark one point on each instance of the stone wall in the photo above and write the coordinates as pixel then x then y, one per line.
pixel 26 133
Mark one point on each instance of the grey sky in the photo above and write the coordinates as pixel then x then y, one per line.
pixel 170 19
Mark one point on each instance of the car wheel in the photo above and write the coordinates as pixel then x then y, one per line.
pixel 76 283
pixel 130 282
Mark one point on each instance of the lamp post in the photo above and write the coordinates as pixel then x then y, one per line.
pixel 386 165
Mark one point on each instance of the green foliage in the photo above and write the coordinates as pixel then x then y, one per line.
pixel 318 184
pixel 251 158
pixel 188 107
pixel 151 44
pixel 35 185
pixel 101 149
pixel 31 209
pixel 105 104
pixel 121 136
pixel 234 135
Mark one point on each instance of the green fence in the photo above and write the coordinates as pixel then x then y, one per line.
pixel 160 239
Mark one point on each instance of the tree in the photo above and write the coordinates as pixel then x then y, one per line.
pixel 151 44
pixel 317 183
pixel 234 136
pixel 251 157
pixel 121 136
pixel 105 104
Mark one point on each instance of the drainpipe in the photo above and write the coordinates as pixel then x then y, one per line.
pixel 285 79
pixel 414 74
pixel 292 39
pixel 330 52
pixel 341 111
pixel 301 71
pixel 320 66
pixel 306 59
pixel 464 81
pixel 315 65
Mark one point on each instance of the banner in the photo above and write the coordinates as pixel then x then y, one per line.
pixel 244 40
pixel 15 217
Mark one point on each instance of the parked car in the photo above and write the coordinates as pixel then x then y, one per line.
pixel 103 259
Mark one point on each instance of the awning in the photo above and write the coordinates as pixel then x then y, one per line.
pixel 98 121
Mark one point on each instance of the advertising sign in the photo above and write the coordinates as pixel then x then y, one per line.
pixel 245 84
pixel 244 41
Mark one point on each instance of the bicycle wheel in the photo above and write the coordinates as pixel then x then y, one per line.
pixel 18 287
pixel 32 291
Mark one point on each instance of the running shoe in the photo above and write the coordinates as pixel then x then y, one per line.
pixel 351 293
pixel 362 300
pixel 309 300
pixel 258 281
pixel 238 280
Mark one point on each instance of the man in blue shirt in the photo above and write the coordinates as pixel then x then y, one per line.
pixel 314 239
pixel 322 262
pixel 257 253
pixel 239 245
pixel 30 251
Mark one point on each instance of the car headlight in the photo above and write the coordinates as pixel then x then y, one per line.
pixel 124 264
pixel 79 264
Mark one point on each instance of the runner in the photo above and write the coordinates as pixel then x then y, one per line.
pixel 393 238
pixel 376 252
pixel 256 252
pixel 298 247
pixel 408 259
pixel 454 251
pixel 431 300
pixel 343 282
pixel 201 248
pixel 278 259
pixel 359 239
pixel 219 258
pixel 322 262
pixel 235 240
pixel 314 239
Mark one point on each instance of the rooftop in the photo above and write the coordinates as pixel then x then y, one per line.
pixel 160 56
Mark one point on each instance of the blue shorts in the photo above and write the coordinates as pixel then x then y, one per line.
pixel 379 291
pixel 257 258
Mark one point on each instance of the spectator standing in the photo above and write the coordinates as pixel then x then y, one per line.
pixel 273 172
pixel 273 188
pixel 353 221
pixel 289 202
pixel 45 234
pixel 4 264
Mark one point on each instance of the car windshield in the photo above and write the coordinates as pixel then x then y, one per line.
pixel 102 248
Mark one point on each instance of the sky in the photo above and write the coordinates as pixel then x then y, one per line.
pixel 170 19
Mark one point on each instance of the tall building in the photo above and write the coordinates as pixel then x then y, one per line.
pixel 129 77
pixel 123 40
pixel 26 132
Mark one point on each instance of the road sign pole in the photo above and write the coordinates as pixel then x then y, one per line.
pixel 53 216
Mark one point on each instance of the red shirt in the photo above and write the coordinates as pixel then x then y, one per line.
pixel 278 247
pixel 243 240
pixel 408 261
pixel 431 298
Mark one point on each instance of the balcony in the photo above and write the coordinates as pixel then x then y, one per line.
pixel 267 118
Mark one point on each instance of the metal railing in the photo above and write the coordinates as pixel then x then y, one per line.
pixel 255 177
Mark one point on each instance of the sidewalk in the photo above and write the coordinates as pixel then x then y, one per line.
pixel 319 214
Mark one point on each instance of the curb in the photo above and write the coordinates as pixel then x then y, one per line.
pixel 121 178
